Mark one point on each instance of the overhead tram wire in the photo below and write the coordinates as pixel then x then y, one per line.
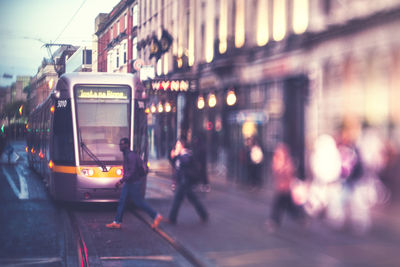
pixel 69 22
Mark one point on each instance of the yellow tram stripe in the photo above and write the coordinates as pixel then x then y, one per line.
pixel 66 169
pixel 97 171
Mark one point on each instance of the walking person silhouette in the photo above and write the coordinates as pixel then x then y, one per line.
pixel 132 187
pixel 182 158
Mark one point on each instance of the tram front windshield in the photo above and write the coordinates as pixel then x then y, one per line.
pixel 102 119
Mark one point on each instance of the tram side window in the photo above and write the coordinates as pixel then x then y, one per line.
pixel 63 142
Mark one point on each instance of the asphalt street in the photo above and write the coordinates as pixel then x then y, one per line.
pixel 36 230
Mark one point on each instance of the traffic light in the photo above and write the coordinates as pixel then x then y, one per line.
pixel 2 128
pixel 20 109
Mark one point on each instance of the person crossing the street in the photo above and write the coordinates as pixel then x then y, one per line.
pixel 183 159
pixel 132 182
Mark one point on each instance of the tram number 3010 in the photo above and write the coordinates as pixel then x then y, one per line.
pixel 61 103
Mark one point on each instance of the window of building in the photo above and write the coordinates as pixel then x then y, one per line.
pixel 124 53
pixel 262 23
pixel 223 27
pixel 279 19
pixel 118 27
pixel 134 48
pixel 125 21
pixel 202 36
pixel 239 23
pixel 135 15
pixel 111 33
pixel 300 16
pixel 110 61
pixel 117 58
pixel 327 6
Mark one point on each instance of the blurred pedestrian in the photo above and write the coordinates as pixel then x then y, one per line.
pixel 284 172
pixel 325 163
pixel 253 158
pixel 200 158
pixel 9 150
pixel 183 160
pixel 133 183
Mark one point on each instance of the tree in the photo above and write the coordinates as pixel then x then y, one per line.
pixel 11 110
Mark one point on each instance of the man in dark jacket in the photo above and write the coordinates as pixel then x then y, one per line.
pixel 182 157
pixel 132 187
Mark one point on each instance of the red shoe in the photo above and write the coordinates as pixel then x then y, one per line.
pixel 157 221
pixel 113 225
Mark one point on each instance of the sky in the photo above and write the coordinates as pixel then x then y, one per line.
pixel 26 25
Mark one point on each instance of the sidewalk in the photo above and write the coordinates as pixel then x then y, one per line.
pixel 237 236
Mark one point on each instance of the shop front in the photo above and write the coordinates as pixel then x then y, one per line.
pixel 167 114
pixel 269 111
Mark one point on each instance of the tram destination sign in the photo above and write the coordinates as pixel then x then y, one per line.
pixel 102 93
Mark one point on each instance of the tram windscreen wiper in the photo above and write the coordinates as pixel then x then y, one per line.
pixel 93 156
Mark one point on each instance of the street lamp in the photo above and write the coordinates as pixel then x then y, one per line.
pixel 160 108
pixel 212 100
pixel 231 98
pixel 200 102
pixel 167 107
pixel 153 108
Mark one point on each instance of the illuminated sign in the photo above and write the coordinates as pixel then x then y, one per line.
pixel 175 85
pixel 102 93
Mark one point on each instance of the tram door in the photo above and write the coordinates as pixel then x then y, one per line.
pixel 295 97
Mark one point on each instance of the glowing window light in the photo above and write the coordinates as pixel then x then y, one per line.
pixel 209 41
pixel 249 129
pixel 159 67
pixel 166 64
pixel 231 98
pixel 190 52
pixel 279 20
pixel 51 83
pixel 179 62
pixel 262 23
pixel 200 102
pixel 168 107
pixel 223 27
pixel 239 24
pixel 300 16
pixel 212 101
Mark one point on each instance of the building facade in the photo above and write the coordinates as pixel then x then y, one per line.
pixel 279 70
pixel 41 83
pixel 115 34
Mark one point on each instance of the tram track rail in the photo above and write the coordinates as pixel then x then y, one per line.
pixel 83 259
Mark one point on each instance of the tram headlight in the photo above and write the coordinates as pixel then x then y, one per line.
pixel 87 172
pixel 118 172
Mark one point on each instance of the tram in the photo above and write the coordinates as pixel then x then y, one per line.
pixel 73 136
